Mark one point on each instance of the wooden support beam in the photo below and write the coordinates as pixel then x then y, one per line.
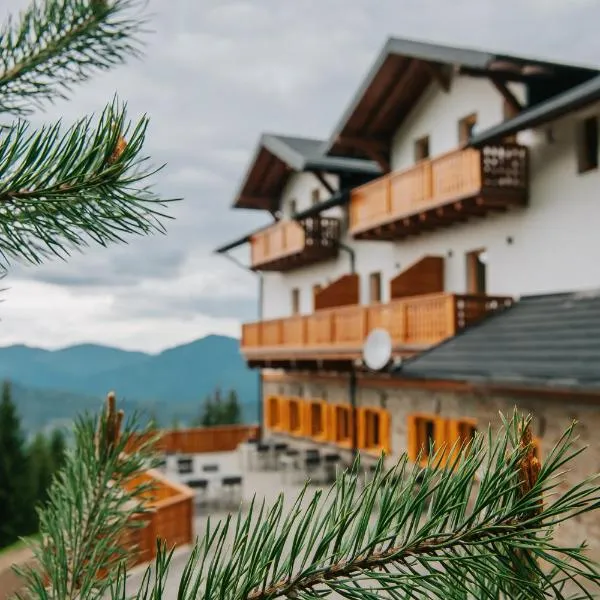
pixel 391 103
pixel 510 98
pixel 321 177
pixel 439 74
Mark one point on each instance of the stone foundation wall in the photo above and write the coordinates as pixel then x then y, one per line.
pixel 550 419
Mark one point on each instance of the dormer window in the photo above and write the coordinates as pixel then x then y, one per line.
pixel 316 196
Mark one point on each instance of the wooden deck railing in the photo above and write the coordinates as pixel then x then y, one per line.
pixel 308 239
pixel 170 517
pixel 200 439
pixel 431 183
pixel 416 321
pixel 281 239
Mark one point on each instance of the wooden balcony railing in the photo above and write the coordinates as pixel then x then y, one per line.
pixel 171 517
pixel 416 322
pixel 437 192
pixel 292 244
pixel 221 438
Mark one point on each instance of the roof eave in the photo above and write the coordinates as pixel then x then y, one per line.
pixel 574 99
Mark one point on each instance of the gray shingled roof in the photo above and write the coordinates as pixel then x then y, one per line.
pixel 573 99
pixel 551 341
pixel 304 154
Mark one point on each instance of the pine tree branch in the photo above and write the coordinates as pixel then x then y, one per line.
pixel 61 189
pixel 90 507
pixel 445 536
pixel 58 43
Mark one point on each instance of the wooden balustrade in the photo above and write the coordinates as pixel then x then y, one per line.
pixel 417 321
pixel 221 438
pixel 433 193
pixel 170 517
pixel 292 244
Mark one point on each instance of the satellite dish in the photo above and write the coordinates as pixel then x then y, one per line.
pixel 377 349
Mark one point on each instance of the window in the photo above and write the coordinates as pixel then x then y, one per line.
pixel 293 207
pixel 374 429
pixel 423 434
pixel 294 416
pixel 295 301
pixel 465 128
pixel 422 148
pixel 466 431
pixel 587 145
pixel 272 412
pixel 373 437
pixel 375 288
pixel 342 420
pixel 316 419
pixel 476 272
pixel 458 433
pixel 316 196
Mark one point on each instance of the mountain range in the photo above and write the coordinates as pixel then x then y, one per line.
pixel 55 384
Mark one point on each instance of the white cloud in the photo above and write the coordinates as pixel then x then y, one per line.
pixel 216 74
pixel 50 316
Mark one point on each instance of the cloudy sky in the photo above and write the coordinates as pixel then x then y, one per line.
pixel 216 74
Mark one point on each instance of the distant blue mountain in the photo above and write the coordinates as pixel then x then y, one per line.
pixel 173 382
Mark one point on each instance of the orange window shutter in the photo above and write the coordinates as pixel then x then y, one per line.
pixel 413 438
pixel 331 422
pixel 385 435
pixel 284 407
pixel 453 438
pixel 306 417
pixel 267 411
pixel 441 447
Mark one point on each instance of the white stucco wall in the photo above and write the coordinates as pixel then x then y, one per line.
pixel 438 113
pixel 555 242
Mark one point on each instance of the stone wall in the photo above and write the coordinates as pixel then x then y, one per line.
pixel 551 417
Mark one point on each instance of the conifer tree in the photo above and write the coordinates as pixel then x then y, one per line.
pixel 16 506
pixel 41 468
pixel 232 414
pixel 58 449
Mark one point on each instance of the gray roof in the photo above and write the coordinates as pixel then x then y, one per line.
pixel 306 154
pixel 558 106
pixel 550 341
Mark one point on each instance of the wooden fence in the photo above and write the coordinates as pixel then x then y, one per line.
pixel 197 440
pixel 170 517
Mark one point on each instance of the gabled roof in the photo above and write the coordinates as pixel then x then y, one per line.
pixel 550 341
pixel 276 156
pixel 405 68
pixel 574 99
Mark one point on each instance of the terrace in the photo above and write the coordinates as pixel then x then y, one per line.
pixel 289 245
pixel 439 192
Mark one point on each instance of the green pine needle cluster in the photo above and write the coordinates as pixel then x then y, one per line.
pixel 92 502
pixel 466 531
pixel 63 187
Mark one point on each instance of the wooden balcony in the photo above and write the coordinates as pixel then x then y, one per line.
pixel 338 334
pixel 452 188
pixel 291 244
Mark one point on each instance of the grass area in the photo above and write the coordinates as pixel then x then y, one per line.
pixel 19 544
